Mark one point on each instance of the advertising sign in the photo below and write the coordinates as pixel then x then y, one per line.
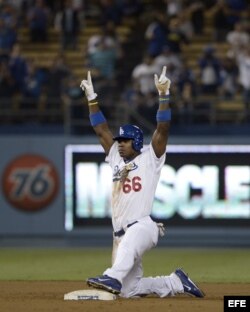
pixel 199 185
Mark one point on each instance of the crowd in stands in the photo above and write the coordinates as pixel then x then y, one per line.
pixel 170 32
pixel 166 29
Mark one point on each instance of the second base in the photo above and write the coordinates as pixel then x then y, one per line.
pixel 89 294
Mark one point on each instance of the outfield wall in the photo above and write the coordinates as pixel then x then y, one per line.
pixel 32 199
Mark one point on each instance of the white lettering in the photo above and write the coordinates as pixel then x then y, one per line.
pixel 234 303
pixel 93 186
pixel 230 303
pixel 165 198
pixel 243 303
pixel 189 180
pixel 237 189
pixel 191 191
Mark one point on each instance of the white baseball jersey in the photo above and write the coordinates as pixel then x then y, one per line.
pixel 133 195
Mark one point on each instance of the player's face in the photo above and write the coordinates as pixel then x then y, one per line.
pixel 125 149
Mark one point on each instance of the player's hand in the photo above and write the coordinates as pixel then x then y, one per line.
pixel 87 87
pixel 163 83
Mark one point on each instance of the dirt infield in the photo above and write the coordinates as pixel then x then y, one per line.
pixel 41 296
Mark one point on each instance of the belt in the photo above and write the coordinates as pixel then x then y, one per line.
pixel 122 231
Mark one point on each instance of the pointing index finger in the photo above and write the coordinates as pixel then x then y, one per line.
pixel 89 77
pixel 164 71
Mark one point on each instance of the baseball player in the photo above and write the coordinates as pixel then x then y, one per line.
pixel 136 173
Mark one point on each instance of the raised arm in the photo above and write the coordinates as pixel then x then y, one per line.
pixel 163 116
pixel 97 119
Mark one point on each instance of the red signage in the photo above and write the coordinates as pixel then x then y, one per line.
pixel 30 182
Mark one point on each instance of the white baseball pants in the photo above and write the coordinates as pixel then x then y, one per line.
pixel 127 263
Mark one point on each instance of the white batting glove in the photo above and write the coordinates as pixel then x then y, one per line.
pixel 87 87
pixel 163 83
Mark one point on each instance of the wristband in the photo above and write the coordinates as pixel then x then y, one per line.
pixel 97 118
pixel 164 115
pixel 163 99
pixel 92 103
